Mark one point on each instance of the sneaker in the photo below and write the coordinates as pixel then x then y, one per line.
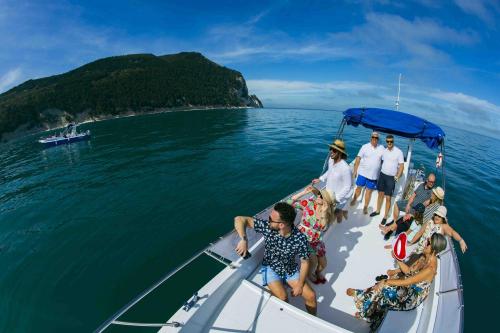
pixel 388 224
pixel 384 220
pixel 374 214
pixel 388 235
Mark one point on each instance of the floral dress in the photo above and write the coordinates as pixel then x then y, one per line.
pixel 373 304
pixel 310 225
pixel 430 229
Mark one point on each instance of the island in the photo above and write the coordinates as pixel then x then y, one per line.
pixel 122 86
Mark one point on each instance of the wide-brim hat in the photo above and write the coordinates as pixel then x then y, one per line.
pixel 328 196
pixel 338 145
pixel 439 192
pixel 441 211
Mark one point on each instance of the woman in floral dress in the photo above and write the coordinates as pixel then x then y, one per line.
pixel 399 294
pixel 317 214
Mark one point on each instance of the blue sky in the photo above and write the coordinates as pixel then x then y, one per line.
pixel 319 54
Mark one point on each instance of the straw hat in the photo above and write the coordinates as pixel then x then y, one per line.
pixel 328 196
pixel 439 192
pixel 339 145
pixel 441 211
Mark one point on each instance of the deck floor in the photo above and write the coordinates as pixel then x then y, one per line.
pixel 356 255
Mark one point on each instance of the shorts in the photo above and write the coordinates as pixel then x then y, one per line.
pixel 362 181
pixel 402 205
pixel 269 275
pixel 317 248
pixel 340 206
pixel 386 184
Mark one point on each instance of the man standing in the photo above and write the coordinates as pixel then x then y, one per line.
pixel 338 178
pixel 283 242
pixel 366 169
pixel 392 169
pixel 421 195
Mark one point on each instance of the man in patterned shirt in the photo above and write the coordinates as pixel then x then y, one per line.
pixel 283 242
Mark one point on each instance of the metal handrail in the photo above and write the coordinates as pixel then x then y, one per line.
pixel 119 313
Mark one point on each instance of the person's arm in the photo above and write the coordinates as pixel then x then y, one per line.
pixel 400 171
pixel 419 234
pixel 424 274
pixel 402 266
pixel 240 225
pixel 410 202
pixel 356 166
pixel 449 231
pixel 308 189
pixel 304 269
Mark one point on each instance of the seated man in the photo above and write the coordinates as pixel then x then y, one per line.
pixel 421 195
pixel 283 242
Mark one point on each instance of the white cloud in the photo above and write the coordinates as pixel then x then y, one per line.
pixel 467 111
pixel 9 79
pixel 483 9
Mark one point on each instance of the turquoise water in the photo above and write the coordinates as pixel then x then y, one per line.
pixel 86 227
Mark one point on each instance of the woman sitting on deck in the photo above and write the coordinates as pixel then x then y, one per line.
pixel 438 224
pixel 317 214
pixel 399 294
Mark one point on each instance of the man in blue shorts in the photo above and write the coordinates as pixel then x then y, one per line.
pixel 366 169
pixel 283 242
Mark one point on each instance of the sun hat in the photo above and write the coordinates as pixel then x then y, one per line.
pixel 328 196
pixel 441 211
pixel 439 192
pixel 339 145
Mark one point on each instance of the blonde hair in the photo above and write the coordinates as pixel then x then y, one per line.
pixel 325 213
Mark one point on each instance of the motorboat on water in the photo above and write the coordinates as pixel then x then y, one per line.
pixel 68 135
pixel 234 300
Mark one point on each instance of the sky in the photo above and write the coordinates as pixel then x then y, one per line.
pixel 303 54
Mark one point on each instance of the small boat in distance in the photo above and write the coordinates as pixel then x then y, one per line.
pixel 68 135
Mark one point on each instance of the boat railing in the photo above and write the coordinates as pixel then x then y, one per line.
pixel 221 250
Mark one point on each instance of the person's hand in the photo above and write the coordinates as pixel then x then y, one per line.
pixel 463 245
pixel 242 247
pixel 309 188
pixel 315 181
pixel 354 175
pixel 297 289
pixel 396 178
pixel 407 208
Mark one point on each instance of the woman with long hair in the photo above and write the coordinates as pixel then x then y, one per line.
pixel 317 212
pixel 399 293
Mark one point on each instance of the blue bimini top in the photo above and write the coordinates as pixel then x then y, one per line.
pixel 397 123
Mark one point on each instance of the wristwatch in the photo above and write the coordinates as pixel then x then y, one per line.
pixel 245 238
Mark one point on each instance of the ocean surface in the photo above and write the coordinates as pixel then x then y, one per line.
pixel 84 228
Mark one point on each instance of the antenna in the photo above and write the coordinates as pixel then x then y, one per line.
pixel 399 89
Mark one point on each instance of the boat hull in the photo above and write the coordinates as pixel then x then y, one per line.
pixel 63 141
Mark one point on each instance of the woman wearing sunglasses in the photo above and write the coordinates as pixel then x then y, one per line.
pixel 317 214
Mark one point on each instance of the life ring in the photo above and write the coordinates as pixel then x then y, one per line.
pixel 399 247
pixel 439 160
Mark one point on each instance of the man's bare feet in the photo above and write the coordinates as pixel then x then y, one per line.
pixel 344 213
pixel 388 247
pixel 350 292
pixel 353 202
pixel 365 210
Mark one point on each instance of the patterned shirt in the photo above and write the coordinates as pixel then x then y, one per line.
pixel 279 251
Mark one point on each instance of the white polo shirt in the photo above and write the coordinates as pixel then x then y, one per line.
pixel 391 160
pixel 370 161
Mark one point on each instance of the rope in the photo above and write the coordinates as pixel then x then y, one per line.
pixel 127 323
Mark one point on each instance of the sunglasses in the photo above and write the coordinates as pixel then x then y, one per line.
pixel 389 141
pixel 375 137
pixel 431 181
pixel 271 220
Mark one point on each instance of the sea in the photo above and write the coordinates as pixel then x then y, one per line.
pixel 86 227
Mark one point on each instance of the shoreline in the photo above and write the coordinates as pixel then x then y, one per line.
pixel 21 133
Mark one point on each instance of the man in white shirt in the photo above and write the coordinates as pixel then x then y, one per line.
pixel 392 169
pixel 366 169
pixel 338 178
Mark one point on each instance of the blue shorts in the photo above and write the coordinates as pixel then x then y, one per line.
pixel 362 181
pixel 268 276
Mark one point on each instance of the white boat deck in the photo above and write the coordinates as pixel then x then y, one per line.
pixel 236 302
